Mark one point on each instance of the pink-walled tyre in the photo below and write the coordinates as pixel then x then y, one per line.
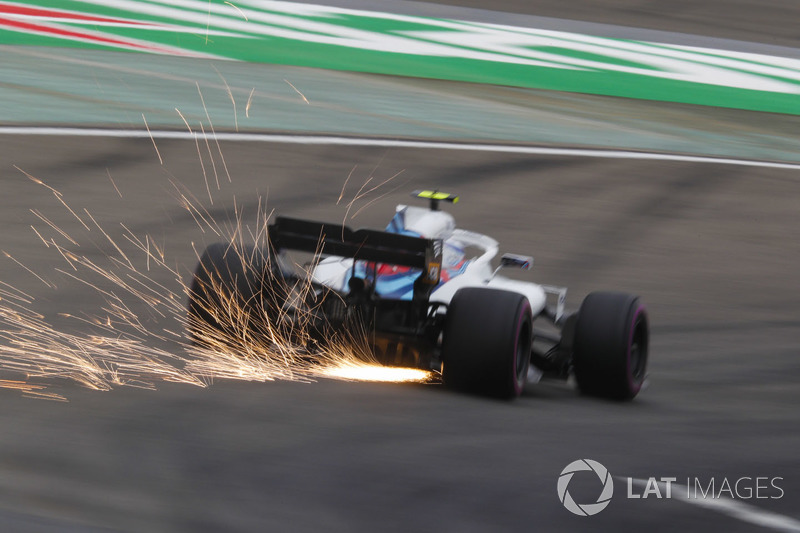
pixel 486 345
pixel 226 294
pixel 611 345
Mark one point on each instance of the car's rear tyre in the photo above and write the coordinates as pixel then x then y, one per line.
pixel 226 298
pixel 486 345
pixel 611 345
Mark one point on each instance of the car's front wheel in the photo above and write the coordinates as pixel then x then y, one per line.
pixel 611 345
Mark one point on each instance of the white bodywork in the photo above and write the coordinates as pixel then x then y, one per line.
pixel 474 272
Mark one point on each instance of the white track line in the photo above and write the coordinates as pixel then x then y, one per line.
pixel 733 508
pixel 393 143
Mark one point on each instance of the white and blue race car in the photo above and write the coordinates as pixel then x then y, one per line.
pixel 427 295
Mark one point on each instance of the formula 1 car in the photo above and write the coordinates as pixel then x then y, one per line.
pixel 424 300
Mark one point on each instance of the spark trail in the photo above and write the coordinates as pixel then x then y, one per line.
pixel 141 334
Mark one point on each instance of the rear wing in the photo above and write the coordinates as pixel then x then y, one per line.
pixel 364 245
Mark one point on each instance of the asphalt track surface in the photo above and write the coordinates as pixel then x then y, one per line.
pixel 712 249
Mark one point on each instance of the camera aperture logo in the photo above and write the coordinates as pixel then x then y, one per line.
pixel 585 509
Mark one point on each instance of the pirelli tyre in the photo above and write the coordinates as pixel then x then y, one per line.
pixel 611 345
pixel 228 303
pixel 486 345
